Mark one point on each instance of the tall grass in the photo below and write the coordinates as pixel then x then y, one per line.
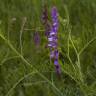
pixel 26 70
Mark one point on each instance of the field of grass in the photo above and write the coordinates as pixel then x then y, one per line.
pixel 26 70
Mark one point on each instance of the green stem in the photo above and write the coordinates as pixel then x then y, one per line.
pixel 26 62
pixel 86 45
pixel 78 60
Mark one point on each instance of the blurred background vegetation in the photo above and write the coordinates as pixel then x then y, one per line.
pixel 26 70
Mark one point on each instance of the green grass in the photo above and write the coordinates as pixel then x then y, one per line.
pixel 26 70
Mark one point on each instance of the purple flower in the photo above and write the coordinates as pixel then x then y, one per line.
pixel 45 21
pixel 44 15
pixel 57 66
pixel 52 45
pixel 47 28
pixel 51 31
pixel 54 15
pixel 37 39
pixel 53 39
pixel 56 54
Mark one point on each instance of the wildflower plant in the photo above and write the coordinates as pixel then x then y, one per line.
pixel 51 30
pixel 70 34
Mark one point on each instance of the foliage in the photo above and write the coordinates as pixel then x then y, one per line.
pixel 26 70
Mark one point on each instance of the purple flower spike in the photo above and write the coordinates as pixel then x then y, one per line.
pixel 53 34
pixel 53 38
pixel 36 38
pixel 45 21
pixel 44 15
pixel 51 30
